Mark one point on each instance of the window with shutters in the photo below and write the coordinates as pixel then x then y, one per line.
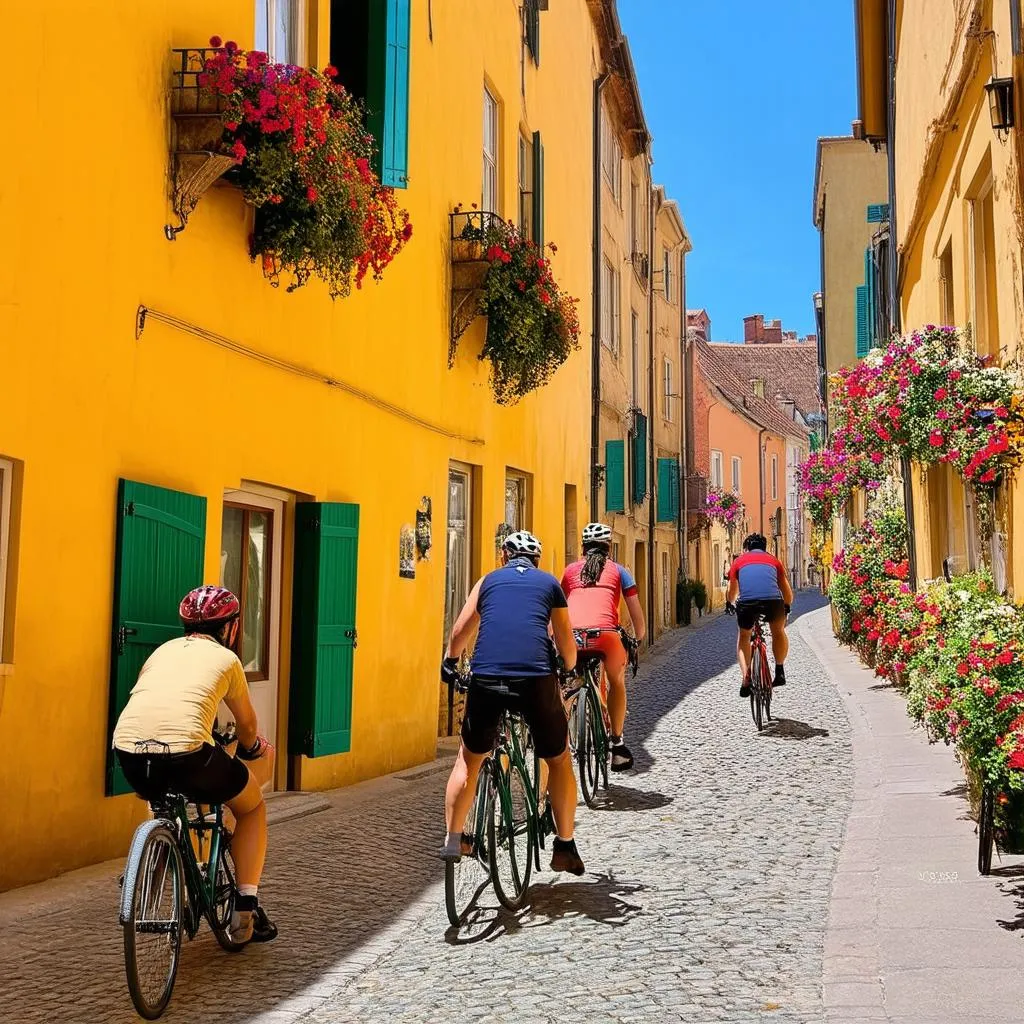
pixel 491 201
pixel 737 464
pixel 531 28
pixel 638 464
pixel 611 285
pixel 525 186
pixel 369 45
pixel 668 491
pixel 634 339
pixel 716 468
pixel 615 476
pixel 323 628
pixel 611 157
pixel 861 310
pixel 281 29
pixel 6 586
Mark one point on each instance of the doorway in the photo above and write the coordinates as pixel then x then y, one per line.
pixel 252 544
pixel 640 575
pixel 458 569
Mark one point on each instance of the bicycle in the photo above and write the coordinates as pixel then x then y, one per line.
pixel 587 718
pixel 505 828
pixel 986 829
pixel 179 870
pixel 760 677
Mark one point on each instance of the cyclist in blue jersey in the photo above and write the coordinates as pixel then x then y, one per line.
pixel 758 586
pixel 513 667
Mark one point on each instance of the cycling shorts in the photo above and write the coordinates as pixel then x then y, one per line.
pixel 607 645
pixel 209 775
pixel 747 612
pixel 537 698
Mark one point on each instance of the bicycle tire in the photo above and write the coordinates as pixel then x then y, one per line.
pixel 755 686
pixel 153 859
pixel 465 878
pixel 986 830
pixel 766 690
pixel 218 915
pixel 510 837
pixel 587 749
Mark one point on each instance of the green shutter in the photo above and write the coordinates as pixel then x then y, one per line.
pixel 615 476
pixel 531 13
pixel 878 213
pixel 323 628
pixel 161 542
pixel 862 321
pixel 668 490
pixel 538 191
pixel 387 90
pixel 869 284
pixel 639 458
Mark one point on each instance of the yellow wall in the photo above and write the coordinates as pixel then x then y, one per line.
pixel 83 200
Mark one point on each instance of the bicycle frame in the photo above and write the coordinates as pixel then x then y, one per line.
pixel 509 747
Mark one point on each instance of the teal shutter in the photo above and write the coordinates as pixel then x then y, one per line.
pixel 862 321
pixel 538 191
pixel 668 491
pixel 615 476
pixel 161 542
pixel 387 91
pixel 869 284
pixel 531 14
pixel 878 213
pixel 323 628
pixel 639 458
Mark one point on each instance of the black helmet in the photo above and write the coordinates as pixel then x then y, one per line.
pixel 755 542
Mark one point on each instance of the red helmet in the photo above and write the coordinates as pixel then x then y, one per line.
pixel 208 605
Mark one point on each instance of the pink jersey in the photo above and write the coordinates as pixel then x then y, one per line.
pixel 596 607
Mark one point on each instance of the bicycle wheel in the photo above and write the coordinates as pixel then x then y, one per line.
pixel 510 829
pixel 986 830
pixel 766 689
pixel 152 917
pixel 756 682
pixel 587 749
pixel 219 913
pixel 465 878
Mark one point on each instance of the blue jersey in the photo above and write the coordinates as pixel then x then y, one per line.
pixel 515 605
pixel 759 575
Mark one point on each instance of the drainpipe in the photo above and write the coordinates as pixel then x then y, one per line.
pixel 651 463
pixel 682 528
pixel 760 476
pixel 595 339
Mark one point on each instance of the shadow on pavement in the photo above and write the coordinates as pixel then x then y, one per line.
pixel 619 798
pixel 791 729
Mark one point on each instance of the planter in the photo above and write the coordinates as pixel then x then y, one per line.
pixel 868 652
pixel 1009 812
pixel 837 624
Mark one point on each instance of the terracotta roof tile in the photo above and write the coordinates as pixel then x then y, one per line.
pixel 789 370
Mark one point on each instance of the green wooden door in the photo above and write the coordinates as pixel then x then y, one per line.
pixel 323 628
pixel 161 540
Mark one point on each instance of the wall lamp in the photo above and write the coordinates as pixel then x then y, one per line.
pixel 1000 103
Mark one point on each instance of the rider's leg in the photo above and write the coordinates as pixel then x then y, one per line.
pixel 743 657
pixel 562 793
pixel 461 789
pixel 615 670
pixel 780 647
pixel 249 842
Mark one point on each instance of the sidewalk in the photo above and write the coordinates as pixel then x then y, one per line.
pixel 915 934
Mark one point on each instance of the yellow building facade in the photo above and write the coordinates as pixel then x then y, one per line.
pixel 959 218
pixel 235 431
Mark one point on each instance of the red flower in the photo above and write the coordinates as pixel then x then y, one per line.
pixel 215 42
pixel 935 439
pixel 1016 759
pixel 407 232
pixel 311 194
pixel 238 151
pixel 1005 657
pixel 987 477
pixel 940 394
pixel 331 71
pixel 963 669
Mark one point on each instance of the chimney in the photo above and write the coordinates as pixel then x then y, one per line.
pixel 857 129
pixel 753 329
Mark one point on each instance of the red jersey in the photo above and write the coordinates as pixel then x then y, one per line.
pixel 596 607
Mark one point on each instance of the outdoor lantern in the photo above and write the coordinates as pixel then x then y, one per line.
pixel 1000 103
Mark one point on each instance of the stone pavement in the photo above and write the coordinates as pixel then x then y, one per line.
pixel 710 870
pixel 915 934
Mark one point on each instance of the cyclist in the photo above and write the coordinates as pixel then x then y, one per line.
pixel 164 742
pixel 758 586
pixel 513 667
pixel 594 586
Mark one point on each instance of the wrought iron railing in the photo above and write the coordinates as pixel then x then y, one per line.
pixel 472 226
pixel 188 97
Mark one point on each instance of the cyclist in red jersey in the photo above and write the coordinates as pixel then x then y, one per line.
pixel 594 587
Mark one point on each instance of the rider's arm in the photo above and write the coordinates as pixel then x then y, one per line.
pixel 565 642
pixel 787 590
pixel 245 717
pixel 734 582
pixel 636 616
pixel 465 625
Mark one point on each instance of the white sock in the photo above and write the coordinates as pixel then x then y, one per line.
pixel 247 890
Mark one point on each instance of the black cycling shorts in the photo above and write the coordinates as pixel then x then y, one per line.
pixel 747 612
pixel 537 698
pixel 209 775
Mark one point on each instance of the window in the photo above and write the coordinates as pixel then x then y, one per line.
pixel 615 551
pixel 716 561
pixel 369 45
pixel 491 201
pixel 947 305
pixel 610 288
pixel 736 463
pixel 460 543
pixel 517 508
pixel 775 476
pixel 245 570
pixel 666 407
pixel 984 309
pixel 757 388
pixel 667 273
pixel 280 30
pixel 611 157
pixel 6 486
pixel 634 335
pixel 634 218
pixel 531 28
pixel 716 469
pixel 525 186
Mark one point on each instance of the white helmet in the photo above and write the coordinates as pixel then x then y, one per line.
pixel 522 544
pixel 597 533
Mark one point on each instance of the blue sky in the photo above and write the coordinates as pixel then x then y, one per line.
pixel 736 95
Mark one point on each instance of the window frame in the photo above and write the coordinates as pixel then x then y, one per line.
pixel 775 477
pixel 667 273
pixel 634 219
pixel 6 503
pixel 490 190
pixel 717 468
pixel 525 158
pixel 666 409
pixel 247 510
pixel 610 303
pixel 736 473
pixel 611 157
pixel 523 484
pixel 299 31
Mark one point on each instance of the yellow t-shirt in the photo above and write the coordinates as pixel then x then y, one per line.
pixel 177 693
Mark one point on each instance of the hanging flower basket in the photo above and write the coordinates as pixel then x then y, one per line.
pixel 724 507
pixel 302 157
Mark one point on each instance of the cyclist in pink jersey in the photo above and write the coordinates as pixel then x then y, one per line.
pixel 594 586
